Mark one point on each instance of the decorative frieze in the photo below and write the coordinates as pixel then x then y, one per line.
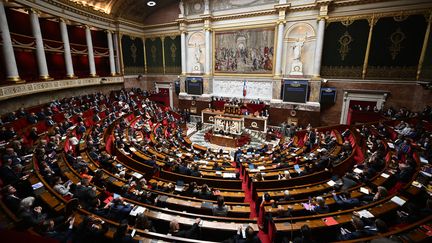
pixel 7 92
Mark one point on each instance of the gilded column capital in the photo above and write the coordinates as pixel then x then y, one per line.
pixel 280 21
pixel 322 18
pixel 207 29
pixel 32 10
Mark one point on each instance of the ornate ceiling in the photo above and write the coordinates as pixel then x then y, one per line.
pixel 134 10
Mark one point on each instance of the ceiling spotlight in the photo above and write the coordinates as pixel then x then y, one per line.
pixel 151 3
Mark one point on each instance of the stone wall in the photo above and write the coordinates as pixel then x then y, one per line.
pixel 407 94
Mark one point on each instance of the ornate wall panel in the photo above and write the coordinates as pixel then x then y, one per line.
pixel 172 51
pixel 396 46
pixel 228 87
pixel 154 57
pixel 344 48
pixel 7 92
pixel 133 55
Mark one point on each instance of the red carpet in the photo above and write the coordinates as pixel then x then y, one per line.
pixel 249 198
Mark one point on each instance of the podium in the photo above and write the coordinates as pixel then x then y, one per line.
pixel 231 125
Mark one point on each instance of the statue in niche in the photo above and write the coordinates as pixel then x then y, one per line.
pixel 206 6
pixel 181 7
pixel 197 53
pixel 297 48
pixel 197 67
pixel 297 65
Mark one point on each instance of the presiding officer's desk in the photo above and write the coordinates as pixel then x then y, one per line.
pixel 256 123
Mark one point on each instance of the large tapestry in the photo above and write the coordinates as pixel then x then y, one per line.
pixel 172 51
pixel 344 48
pixel 133 55
pixel 244 51
pixel 396 47
pixel 153 47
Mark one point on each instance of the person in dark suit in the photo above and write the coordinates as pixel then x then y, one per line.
pixel 345 201
pixel 30 215
pixel 305 235
pixel 91 230
pixel 192 233
pixel 321 207
pixel 11 198
pixel 359 230
pixel 32 118
pixel 250 235
pixel 122 236
pixel 118 209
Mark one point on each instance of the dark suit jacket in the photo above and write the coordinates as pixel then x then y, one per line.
pixel 193 233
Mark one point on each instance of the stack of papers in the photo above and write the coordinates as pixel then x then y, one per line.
pixel 261 167
pixel 399 201
pixel 365 214
pixel 137 210
pixel 423 160
pixel 137 175
pixel 385 175
pixel 364 190
pixel 358 171
pixel 331 183
pixel 229 175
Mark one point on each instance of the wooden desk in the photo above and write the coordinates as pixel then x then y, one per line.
pixel 250 122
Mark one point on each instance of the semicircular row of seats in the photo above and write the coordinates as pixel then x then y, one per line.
pixel 129 158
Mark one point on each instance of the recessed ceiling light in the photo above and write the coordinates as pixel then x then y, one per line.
pixel 151 3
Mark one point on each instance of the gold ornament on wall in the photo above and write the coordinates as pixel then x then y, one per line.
pixel 153 53
pixel 133 50
pixel 396 39
pixel 344 42
pixel 173 52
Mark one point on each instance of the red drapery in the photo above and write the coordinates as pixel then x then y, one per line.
pixel 56 65
pixel 27 64
pixel 50 29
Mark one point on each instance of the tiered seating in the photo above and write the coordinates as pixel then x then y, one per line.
pixel 150 153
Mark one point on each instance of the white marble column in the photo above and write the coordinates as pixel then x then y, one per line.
pixel 117 53
pixel 183 52
pixel 67 52
pixel 40 50
pixel 111 53
pixel 90 52
pixel 207 51
pixel 7 48
pixel 278 69
pixel 319 48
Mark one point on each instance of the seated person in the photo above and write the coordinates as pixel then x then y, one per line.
pixel 220 209
pixel 250 236
pixel 344 200
pixel 321 207
pixel 359 230
pixel 193 233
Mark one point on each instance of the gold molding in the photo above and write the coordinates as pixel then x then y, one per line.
pixel 372 21
pixel 163 54
pixel 145 55
pixel 377 15
pixel 120 37
pixel 15 79
pixel 424 47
